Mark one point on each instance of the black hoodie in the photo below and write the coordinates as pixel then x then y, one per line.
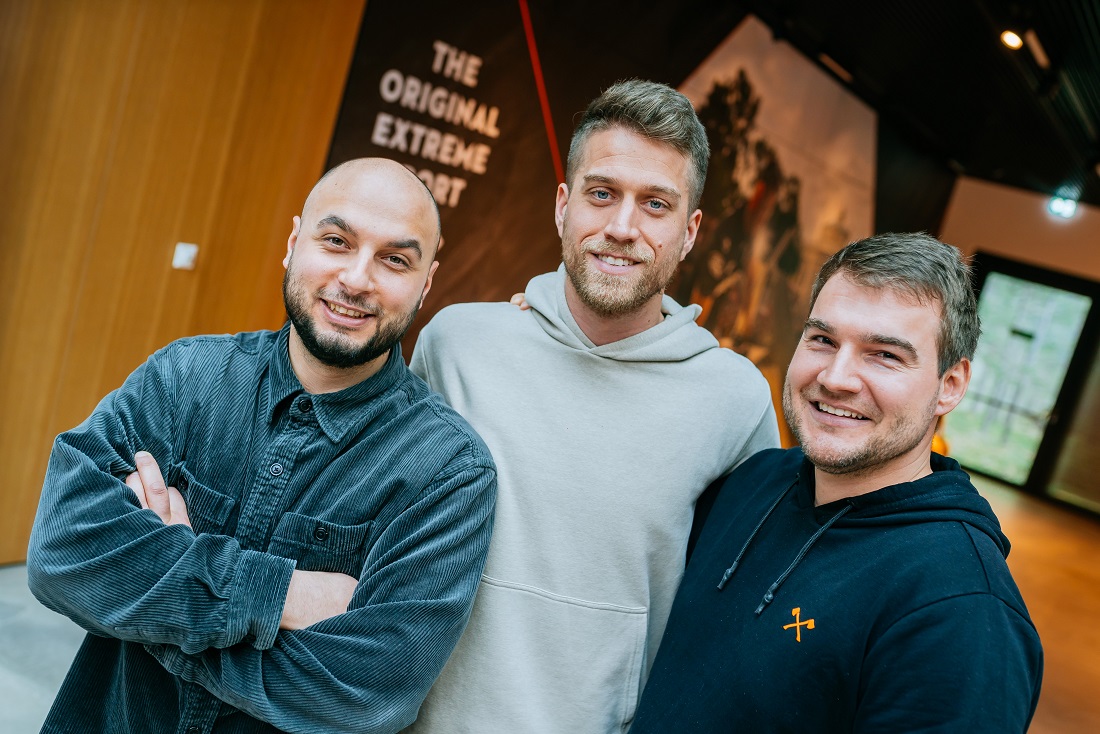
pixel 892 611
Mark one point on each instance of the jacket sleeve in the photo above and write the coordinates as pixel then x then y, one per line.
pixel 116 569
pixel 369 669
pixel 968 663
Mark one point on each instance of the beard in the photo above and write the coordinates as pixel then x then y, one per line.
pixel 334 349
pixel 905 433
pixel 611 295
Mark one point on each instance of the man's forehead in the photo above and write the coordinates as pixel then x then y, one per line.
pixel 887 291
pixel 875 313
pixel 626 144
pixel 373 200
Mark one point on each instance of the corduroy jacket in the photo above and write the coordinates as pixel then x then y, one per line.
pixel 381 481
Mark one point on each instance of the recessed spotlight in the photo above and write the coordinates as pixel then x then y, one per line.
pixel 1037 49
pixel 1012 40
pixel 1060 207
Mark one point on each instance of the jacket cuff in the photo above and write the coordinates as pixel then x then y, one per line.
pixel 257 597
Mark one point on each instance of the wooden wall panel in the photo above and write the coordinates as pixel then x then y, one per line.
pixel 129 125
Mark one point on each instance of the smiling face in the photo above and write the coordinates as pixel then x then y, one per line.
pixel 624 223
pixel 863 391
pixel 359 262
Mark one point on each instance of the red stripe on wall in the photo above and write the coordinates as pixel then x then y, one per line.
pixel 540 84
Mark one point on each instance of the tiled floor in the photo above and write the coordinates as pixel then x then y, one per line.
pixel 1054 560
pixel 36 647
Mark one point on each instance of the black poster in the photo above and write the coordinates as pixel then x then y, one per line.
pixel 450 91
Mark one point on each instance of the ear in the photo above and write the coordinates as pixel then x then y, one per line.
pixel 692 231
pixel 428 282
pixel 953 386
pixel 292 240
pixel 559 207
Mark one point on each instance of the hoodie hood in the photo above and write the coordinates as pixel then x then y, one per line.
pixel 945 495
pixel 675 339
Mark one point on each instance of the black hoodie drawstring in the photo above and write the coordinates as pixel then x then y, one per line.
pixel 801 554
pixel 770 594
pixel 752 536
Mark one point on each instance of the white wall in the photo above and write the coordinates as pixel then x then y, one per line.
pixel 1015 224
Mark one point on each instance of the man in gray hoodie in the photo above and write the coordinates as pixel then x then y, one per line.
pixel 608 411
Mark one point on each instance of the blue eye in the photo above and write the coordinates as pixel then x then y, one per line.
pixel 601 194
pixel 657 205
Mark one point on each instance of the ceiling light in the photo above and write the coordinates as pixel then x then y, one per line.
pixel 1060 207
pixel 1036 49
pixel 834 67
pixel 1012 40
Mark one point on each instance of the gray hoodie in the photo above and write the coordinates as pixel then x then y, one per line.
pixel 601 453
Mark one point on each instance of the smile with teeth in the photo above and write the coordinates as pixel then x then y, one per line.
pixel 612 260
pixel 345 311
pixel 825 408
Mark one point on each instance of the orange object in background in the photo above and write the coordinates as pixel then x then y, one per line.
pixel 939 443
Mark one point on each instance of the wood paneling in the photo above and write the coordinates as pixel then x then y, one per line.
pixel 128 126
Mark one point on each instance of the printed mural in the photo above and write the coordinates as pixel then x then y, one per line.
pixel 791 180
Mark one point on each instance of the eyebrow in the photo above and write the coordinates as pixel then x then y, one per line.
pixel 665 191
pixel 407 244
pixel 902 345
pixel 333 220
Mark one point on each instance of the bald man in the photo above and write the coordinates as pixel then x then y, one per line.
pixel 275 530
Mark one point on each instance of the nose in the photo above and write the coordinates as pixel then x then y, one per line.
pixel 841 374
pixel 357 275
pixel 622 223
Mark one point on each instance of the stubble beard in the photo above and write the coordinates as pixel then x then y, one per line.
pixel 332 349
pixel 904 435
pixel 610 295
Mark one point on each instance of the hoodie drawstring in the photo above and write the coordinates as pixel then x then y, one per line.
pixel 801 554
pixel 752 536
pixel 770 594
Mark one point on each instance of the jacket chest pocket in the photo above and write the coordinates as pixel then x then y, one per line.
pixel 207 509
pixel 320 545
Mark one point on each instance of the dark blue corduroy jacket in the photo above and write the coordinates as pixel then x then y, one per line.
pixel 381 481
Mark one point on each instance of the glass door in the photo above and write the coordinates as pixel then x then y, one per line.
pixel 1038 340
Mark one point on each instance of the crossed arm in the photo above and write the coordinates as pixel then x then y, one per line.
pixel 246 624
pixel 312 595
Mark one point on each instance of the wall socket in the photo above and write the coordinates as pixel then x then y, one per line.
pixel 184 256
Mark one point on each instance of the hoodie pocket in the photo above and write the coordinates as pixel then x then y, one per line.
pixel 540 663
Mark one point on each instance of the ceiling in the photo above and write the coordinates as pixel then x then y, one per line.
pixel 937 71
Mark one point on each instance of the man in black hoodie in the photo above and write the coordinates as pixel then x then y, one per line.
pixel 858 583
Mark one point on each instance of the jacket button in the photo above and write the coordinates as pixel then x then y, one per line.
pixel 276 469
pixel 320 533
pixel 305 405
pixel 182 484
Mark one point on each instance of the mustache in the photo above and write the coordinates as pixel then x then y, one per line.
pixel 615 249
pixel 356 302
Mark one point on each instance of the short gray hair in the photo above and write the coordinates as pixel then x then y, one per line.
pixel 655 111
pixel 924 268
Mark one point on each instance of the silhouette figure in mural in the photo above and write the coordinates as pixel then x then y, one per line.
pixel 746 275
